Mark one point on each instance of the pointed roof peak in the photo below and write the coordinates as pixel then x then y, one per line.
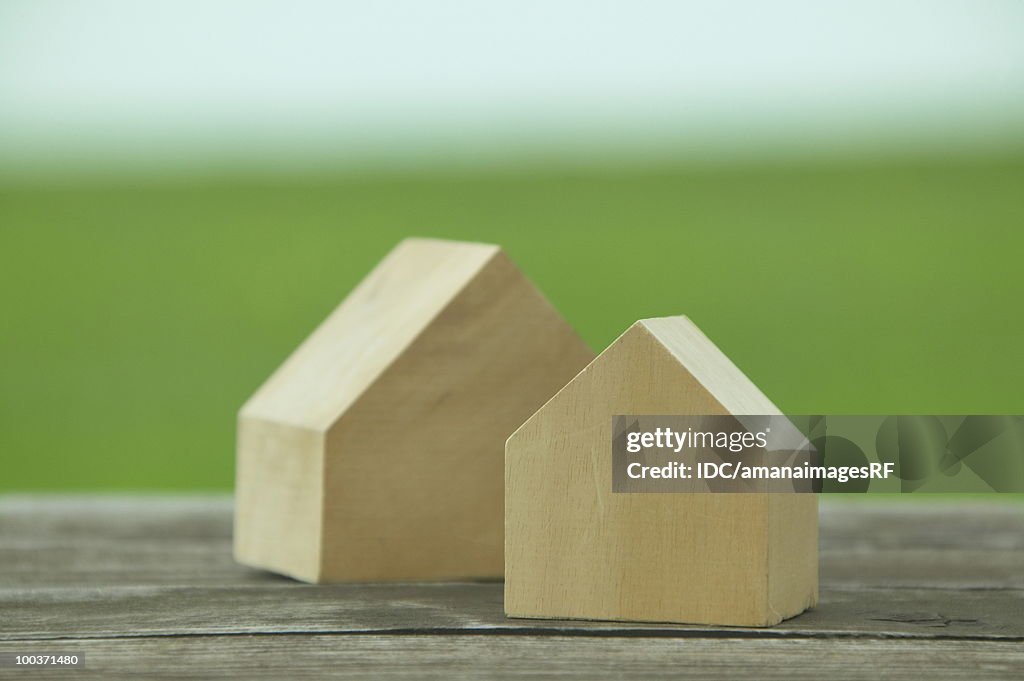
pixel 382 317
pixel 709 365
pixel 479 247
pixel 681 344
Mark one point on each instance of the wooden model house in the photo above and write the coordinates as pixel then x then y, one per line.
pixel 574 549
pixel 375 452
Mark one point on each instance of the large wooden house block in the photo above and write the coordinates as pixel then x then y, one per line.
pixel 576 550
pixel 375 452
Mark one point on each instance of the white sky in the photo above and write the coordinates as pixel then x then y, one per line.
pixel 181 78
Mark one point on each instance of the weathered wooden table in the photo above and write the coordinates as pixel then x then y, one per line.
pixel 146 587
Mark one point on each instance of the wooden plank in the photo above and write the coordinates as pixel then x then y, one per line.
pixel 845 521
pixel 573 548
pixel 909 542
pixel 152 561
pixel 516 657
pixel 162 566
pixel 174 540
pixel 852 568
pixel 128 540
pixel 295 608
pixel 94 518
pixel 919 522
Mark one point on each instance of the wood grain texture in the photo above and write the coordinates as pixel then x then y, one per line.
pixel 573 549
pixel 375 451
pixel 114 611
pixel 89 541
pixel 516 657
pixel 146 587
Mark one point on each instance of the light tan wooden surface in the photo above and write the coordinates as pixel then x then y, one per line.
pixel 574 549
pixel 375 451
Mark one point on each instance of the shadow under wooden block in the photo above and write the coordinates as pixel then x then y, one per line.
pixel 575 550
pixel 375 452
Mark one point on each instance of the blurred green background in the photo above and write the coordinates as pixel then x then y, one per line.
pixel 833 192
pixel 139 316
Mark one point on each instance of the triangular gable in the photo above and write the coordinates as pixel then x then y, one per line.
pixel 367 331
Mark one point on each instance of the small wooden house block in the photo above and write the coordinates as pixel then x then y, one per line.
pixel 575 550
pixel 375 452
